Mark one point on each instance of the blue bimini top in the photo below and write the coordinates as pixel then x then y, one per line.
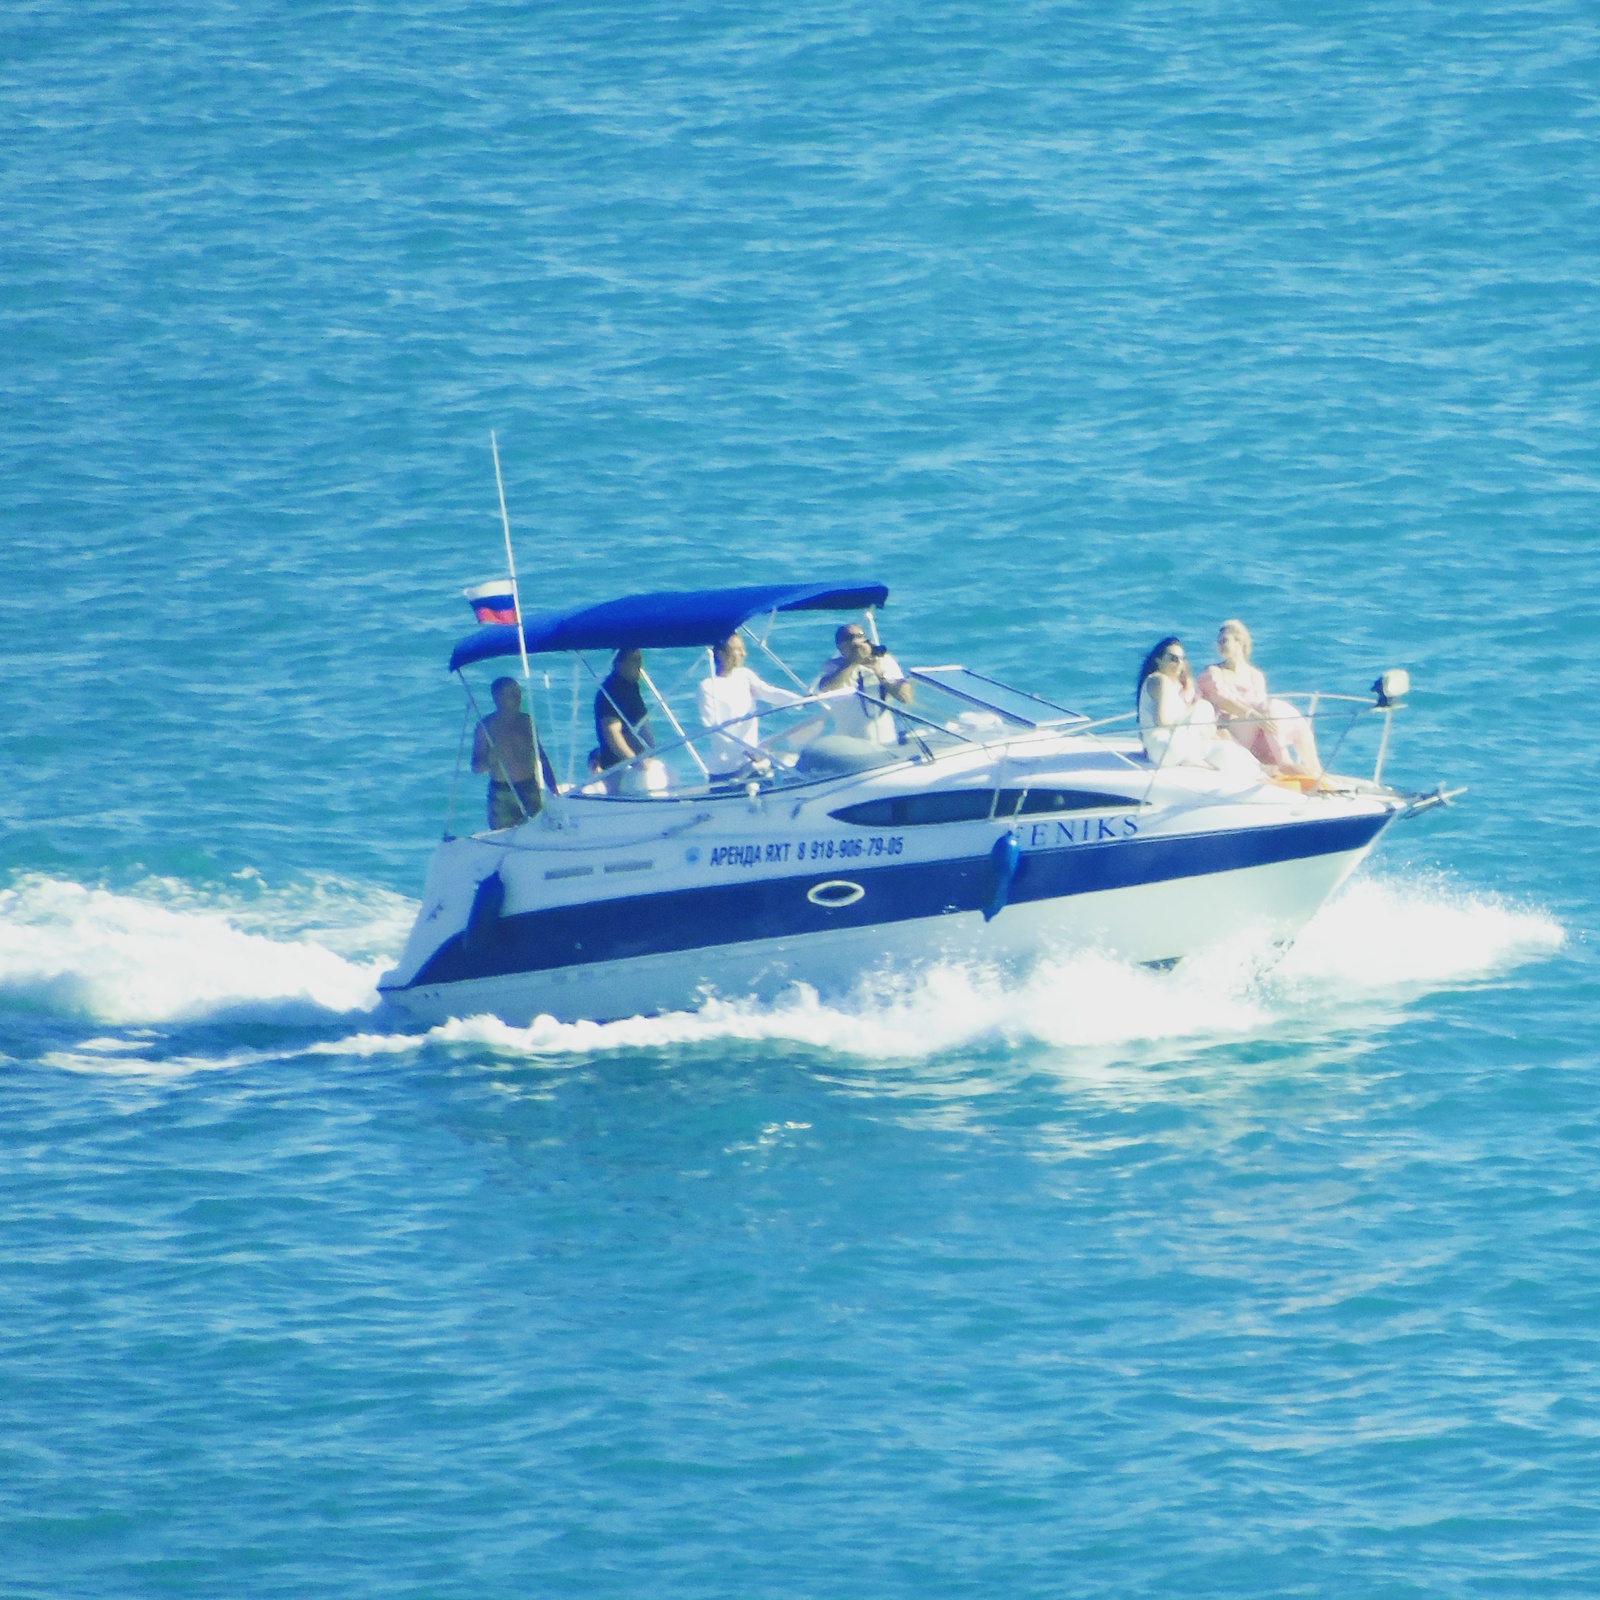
pixel 671 619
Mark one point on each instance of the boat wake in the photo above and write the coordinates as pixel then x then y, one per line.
pixel 165 952
pixel 1379 940
pixel 160 963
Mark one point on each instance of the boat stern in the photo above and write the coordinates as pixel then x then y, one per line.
pixel 457 876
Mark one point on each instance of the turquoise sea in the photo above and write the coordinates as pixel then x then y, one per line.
pixel 1076 325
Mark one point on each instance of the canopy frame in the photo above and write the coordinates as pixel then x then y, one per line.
pixel 668 619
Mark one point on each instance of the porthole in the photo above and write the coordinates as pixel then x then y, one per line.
pixel 833 894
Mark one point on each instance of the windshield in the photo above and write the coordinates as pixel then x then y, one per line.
pixel 1016 706
pixel 676 728
pixel 769 746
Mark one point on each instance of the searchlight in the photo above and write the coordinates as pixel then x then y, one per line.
pixel 1392 687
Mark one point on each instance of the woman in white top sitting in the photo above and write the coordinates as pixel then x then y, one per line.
pixel 1173 718
pixel 728 702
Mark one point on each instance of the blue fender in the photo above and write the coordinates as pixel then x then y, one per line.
pixel 1004 860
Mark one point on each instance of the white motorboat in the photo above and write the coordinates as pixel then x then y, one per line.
pixel 977 820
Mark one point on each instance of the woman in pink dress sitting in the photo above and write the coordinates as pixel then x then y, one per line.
pixel 1271 730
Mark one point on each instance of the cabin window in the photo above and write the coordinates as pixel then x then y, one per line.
pixel 974 805
pixel 1033 802
pixel 917 810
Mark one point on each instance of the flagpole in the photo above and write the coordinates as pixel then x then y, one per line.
pixel 516 606
pixel 511 563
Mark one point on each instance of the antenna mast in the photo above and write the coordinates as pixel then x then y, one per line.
pixel 511 560
pixel 516 606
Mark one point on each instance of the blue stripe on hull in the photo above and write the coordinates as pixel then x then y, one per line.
pixel 776 908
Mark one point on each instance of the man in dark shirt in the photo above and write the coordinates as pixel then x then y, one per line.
pixel 621 725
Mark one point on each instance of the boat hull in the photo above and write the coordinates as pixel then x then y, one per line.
pixel 1125 905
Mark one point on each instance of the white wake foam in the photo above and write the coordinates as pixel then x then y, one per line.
pixel 166 952
pixel 1383 934
pixel 124 1061
pixel 1381 939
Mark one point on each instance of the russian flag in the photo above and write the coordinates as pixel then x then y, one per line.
pixel 492 602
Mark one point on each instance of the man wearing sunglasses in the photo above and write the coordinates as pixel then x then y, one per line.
pixel 864 677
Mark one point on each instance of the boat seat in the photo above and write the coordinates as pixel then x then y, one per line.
pixel 834 754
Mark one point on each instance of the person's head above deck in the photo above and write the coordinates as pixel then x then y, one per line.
pixel 628 663
pixel 1233 641
pixel 507 693
pixel 730 654
pixel 852 641
pixel 1166 657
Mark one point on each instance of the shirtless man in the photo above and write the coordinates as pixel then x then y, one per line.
pixel 503 747
pixel 875 677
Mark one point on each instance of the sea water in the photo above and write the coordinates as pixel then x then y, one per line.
pixel 1075 325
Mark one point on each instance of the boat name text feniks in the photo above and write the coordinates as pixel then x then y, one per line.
pixel 1091 830
pixel 1031 836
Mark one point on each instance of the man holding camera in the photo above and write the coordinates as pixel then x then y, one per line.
pixel 870 677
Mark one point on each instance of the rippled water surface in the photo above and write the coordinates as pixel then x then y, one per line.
pixel 1074 325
